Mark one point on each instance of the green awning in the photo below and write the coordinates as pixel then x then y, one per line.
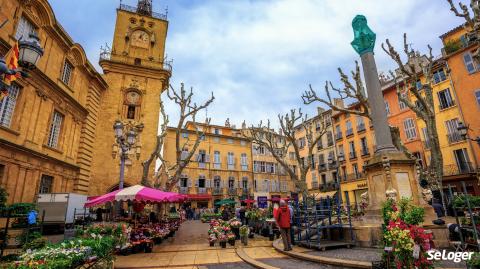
pixel 225 202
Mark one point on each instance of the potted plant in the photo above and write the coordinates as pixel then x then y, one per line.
pixel 212 238
pixel 244 232
pixel 222 238
pixel 231 239
pixel 235 224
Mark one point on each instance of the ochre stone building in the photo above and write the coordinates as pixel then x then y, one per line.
pixel 136 74
pixel 225 165
pixel 56 127
pixel 47 122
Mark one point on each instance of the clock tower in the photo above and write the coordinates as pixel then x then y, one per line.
pixel 137 73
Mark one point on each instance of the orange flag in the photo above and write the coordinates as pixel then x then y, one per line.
pixel 12 63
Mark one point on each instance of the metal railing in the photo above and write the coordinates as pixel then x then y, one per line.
pixel 155 15
pixel 217 191
pixel 232 191
pixel 183 190
pixel 154 64
pixel 352 155
pixel 322 167
pixel 450 103
pixel 458 169
pixel 455 137
pixel 365 152
pixel 201 190
pixel 315 185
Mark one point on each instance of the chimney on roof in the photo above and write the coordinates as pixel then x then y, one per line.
pixel 338 102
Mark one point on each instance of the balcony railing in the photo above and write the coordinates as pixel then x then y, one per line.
pixel 183 190
pixel 349 132
pixel 446 105
pixel 232 191
pixel 330 142
pixel 354 176
pixel 134 10
pixel 322 167
pixel 458 169
pixel 455 137
pixel 360 127
pixel 154 64
pixel 365 153
pixel 217 191
pixel 201 190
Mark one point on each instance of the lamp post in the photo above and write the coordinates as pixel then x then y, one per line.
pixel 463 131
pixel 29 52
pixel 125 140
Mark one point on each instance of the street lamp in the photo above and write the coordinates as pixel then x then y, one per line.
pixel 125 141
pixel 463 131
pixel 29 52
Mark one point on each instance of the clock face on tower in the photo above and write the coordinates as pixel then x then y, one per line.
pixel 140 39
pixel 132 98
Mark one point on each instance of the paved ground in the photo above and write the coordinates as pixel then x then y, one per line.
pixel 189 248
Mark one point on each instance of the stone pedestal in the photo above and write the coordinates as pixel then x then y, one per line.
pixel 392 174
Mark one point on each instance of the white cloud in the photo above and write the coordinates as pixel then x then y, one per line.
pixel 258 56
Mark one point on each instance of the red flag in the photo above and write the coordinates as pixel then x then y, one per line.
pixel 12 63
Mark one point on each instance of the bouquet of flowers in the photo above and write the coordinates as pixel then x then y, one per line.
pixel 234 223
pixel 212 238
pixel 222 237
pixel 244 231
pixel 230 236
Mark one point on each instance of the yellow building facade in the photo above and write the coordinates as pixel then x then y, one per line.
pixel 48 121
pixel 355 144
pixel 323 174
pixel 458 156
pixel 225 165
pixel 137 74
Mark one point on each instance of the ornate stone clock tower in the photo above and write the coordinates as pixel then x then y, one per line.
pixel 137 73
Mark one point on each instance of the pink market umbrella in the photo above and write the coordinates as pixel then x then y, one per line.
pixel 137 193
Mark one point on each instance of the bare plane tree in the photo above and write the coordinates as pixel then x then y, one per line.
pixel 354 92
pixel 183 151
pixel 405 79
pixel 281 144
pixel 471 23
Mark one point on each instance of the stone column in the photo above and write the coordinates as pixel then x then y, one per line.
pixel 364 44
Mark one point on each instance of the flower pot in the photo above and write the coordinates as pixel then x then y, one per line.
pixel 231 242
pixel 244 240
pixel 223 244
pixel 212 244
pixel 236 231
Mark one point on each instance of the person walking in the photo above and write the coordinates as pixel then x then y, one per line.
pixel 282 217
pixel 292 234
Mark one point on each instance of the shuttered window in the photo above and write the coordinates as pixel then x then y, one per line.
pixel 409 127
pixel 55 128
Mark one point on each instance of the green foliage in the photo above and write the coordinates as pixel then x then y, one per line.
pixel 452 46
pixel 28 236
pixel 474 262
pixel 410 213
pixel 387 209
pixel 36 243
pixel 460 201
pixel 3 197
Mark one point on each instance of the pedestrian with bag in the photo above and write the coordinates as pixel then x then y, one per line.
pixel 282 217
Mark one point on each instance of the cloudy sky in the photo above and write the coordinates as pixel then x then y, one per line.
pixel 258 56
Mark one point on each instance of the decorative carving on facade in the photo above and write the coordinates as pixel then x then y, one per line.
pixel 391 193
pixel 41 94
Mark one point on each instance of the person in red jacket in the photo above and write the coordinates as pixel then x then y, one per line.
pixel 282 217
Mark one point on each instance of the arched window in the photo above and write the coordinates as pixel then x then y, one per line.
pixel 132 105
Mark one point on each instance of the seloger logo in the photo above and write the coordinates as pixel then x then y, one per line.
pixel 448 256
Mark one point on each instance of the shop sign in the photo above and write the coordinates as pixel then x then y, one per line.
pixel 262 201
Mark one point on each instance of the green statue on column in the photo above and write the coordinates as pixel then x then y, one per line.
pixel 364 37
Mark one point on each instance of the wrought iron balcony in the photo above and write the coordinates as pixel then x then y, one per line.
pixel 201 190
pixel 217 191
pixel 232 191
pixel 155 15
pixel 183 190
pixel 154 64
pixel 455 137
pixel 314 185
pixel 458 169
pixel 322 167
